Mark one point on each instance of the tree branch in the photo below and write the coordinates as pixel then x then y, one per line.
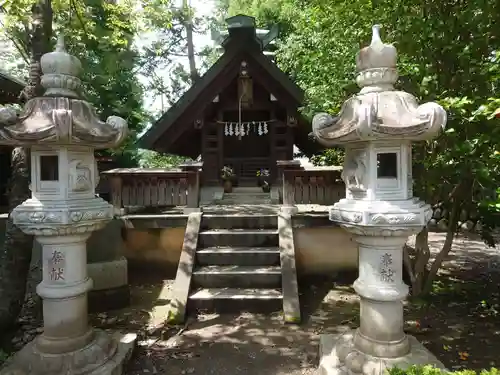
pixel 19 45
pixel 457 195
pixel 408 264
pixel 80 20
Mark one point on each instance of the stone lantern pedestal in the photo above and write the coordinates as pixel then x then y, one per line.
pixel 380 230
pixel 63 131
pixel 376 128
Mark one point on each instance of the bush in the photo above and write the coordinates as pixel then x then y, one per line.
pixel 3 357
pixel 329 157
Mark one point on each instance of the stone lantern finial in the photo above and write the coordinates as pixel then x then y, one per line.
pixel 376 63
pixel 61 72
pixel 60 46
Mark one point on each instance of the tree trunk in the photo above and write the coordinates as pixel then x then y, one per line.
pixel 415 261
pixel 445 250
pixel 16 253
pixel 15 257
pixel 193 72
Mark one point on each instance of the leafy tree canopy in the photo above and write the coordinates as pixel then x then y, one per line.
pixel 100 34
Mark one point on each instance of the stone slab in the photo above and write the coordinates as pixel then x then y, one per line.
pixel 103 356
pixel 178 303
pixel 108 274
pixel 291 303
pixel 290 210
pixel 339 357
pixel 190 210
pixel 106 244
pixel 109 299
pixel 275 195
pixel 110 285
pixel 209 194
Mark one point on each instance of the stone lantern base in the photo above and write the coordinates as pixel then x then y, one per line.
pixel 104 355
pixel 338 356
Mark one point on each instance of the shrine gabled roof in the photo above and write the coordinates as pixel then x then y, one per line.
pixel 241 44
pixel 10 88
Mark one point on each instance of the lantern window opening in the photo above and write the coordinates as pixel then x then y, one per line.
pixel 49 168
pixel 387 165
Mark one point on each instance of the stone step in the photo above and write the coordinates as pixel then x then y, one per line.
pixel 247 190
pixel 242 210
pixel 235 299
pixel 264 198
pixel 246 196
pixel 242 256
pixel 237 276
pixel 238 238
pixel 234 202
pixel 245 221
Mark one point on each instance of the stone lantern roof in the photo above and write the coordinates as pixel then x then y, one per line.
pixel 60 116
pixel 379 111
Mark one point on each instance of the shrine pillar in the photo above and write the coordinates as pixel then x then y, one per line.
pixel 376 127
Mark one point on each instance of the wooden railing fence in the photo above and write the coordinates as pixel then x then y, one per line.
pixel 142 187
pixel 321 186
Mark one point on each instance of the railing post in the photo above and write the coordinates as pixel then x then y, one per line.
pixel 193 197
pixel 116 194
pixel 285 173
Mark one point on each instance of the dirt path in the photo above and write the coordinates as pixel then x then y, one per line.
pixel 460 324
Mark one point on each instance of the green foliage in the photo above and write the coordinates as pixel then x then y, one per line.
pixel 430 370
pixel 331 156
pixel 100 34
pixel 3 357
pixel 152 159
pixel 227 173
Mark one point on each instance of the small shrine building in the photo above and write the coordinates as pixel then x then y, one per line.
pixel 242 113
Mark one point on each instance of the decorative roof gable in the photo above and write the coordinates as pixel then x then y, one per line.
pixel 241 43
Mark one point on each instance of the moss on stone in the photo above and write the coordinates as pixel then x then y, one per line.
pixel 292 319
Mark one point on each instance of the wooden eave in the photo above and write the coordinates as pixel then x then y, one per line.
pixel 174 131
pixel 10 88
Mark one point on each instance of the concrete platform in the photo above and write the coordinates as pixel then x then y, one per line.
pixel 339 357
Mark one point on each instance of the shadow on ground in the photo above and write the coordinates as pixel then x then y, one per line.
pixel 459 322
pixel 246 343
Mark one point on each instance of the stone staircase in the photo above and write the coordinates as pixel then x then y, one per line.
pixel 245 195
pixel 237 265
pixel 237 258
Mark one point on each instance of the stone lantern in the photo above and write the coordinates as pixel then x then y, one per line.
pixel 62 130
pixel 376 127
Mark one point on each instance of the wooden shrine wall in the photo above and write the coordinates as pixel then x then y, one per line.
pixel 252 151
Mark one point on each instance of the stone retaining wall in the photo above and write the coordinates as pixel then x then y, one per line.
pixel 468 220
